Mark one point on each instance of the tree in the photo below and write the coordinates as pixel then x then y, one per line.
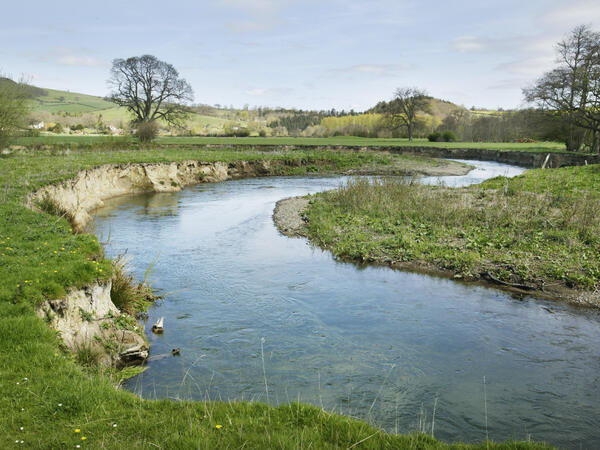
pixel 14 107
pixel 402 110
pixel 150 89
pixel 572 89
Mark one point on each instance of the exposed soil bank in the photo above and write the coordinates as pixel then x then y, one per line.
pixel 515 157
pixel 291 221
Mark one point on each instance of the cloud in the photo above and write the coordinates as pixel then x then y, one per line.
pixel 529 67
pixel 378 70
pixel 569 14
pixel 268 92
pixel 63 56
pixel 467 44
pixel 259 15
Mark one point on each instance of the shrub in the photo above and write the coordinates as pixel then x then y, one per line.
pixel 78 127
pixel 262 133
pixel 57 128
pixel 147 131
pixel 434 137
pixel 448 136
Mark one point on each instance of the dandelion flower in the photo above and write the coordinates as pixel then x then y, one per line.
pixel 83 438
pixel 77 430
pixel 218 427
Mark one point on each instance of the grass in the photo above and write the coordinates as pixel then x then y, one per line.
pixel 82 141
pixel 48 400
pixel 540 230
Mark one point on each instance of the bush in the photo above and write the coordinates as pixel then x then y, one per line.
pixel 448 136
pixel 57 128
pixel 434 137
pixel 78 127
pixel 262 133
pixel 147 131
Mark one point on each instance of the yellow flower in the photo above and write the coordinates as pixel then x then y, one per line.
pixel 83 438
pixel 77 430
pixel 218 427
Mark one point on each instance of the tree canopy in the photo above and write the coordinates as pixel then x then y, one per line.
pixel 572 88
pixel 14 105
pixel 150 89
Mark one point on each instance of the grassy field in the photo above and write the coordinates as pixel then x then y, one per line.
pixel 49 401
pixel 540 230
pixel 542 147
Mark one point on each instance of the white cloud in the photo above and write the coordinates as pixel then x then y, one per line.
pixel 572 13
pixel 466 44
pixel 378 70
pixel 268 92
pixel 70 57
pixel 529 67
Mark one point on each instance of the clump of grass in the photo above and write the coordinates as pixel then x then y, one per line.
pixel 87 355
pixel 539 230
pixel 126 293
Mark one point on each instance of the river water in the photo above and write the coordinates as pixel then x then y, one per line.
pixel 370 342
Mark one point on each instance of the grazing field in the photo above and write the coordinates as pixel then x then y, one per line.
pixel 542 147
pixel 538 232
pixel 48 400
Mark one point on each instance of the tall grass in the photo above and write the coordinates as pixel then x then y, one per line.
pixel 519 231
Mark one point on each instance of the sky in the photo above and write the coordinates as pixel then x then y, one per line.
pixel 306 54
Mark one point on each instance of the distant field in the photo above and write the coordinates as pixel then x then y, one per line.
pixel 543 147
pixel 69 102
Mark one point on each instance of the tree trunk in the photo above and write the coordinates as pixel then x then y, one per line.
pixel 410 132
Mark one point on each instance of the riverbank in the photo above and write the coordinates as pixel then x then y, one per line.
pixel 49 401
pixel 535 234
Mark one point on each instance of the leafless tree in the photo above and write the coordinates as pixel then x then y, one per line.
pixel 572 89
pixel 150 89
pixel 402 110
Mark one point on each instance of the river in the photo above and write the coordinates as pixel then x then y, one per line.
pixel 377 344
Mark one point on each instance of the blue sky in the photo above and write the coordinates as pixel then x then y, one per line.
pixel 306 54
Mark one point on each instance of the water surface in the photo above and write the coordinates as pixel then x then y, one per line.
pixel 373 343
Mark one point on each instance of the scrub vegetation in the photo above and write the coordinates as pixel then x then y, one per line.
pixel 52 399
pixel 537 232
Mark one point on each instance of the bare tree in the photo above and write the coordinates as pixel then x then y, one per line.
pixel 150 89
pixel 402 110
pixel 572 89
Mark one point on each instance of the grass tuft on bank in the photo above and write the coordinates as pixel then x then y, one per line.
pixel 538 231
pixel 49 400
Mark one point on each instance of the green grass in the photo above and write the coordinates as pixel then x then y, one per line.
pixel 69 102
pixel 541 147
pixel 50 401
pixel 541 229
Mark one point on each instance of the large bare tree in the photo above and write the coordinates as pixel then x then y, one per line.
pixel 572 89
pixel 150 89
pixel 402 109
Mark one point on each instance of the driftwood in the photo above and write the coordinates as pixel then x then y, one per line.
pixel 158 327
pixel 525 287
